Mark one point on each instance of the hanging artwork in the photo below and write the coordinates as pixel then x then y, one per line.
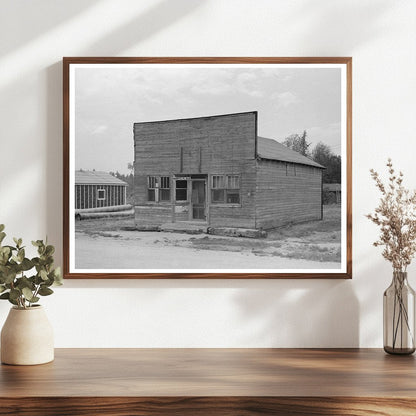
pixel 207 167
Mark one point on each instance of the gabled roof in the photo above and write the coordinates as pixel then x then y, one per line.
pixel 273 150
pixel 94 177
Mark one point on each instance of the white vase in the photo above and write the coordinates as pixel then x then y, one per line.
pixel 27 337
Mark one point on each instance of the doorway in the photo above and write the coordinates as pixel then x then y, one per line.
pixel 198 199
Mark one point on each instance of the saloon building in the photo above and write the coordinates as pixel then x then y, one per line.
pixel 216 170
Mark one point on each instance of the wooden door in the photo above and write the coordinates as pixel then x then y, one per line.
pixel 198 200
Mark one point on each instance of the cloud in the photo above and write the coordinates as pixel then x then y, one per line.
pixel 329 134
pixel 99 130
pixel 247 83
pixel 285 99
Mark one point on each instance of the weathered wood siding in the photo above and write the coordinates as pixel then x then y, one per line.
pixel 287 193
pixel 202 146
pixel 86 196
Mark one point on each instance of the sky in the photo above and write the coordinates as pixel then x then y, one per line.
pixel 111 98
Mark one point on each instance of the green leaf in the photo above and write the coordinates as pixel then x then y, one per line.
pixel 37 243
pixel 2 236
pixel 15 294
pixel 48 260
pixel 9 277
pixel 43 274
pixel 49 250
pixel 48 282
pixel 2 288
pixel 21 255
pixel 58 276
pixel 17 241
pixel 13 302
pixel 5 250
pixel 5 295
pixel 26 264
pixel 2 227
pixel 4 255
pixel 45 291
pixel 24 282
pixel 28 294
pixel 38 280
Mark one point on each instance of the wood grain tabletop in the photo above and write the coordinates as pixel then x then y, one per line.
pixel 241 379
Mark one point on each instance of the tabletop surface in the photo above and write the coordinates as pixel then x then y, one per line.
pixel 214 372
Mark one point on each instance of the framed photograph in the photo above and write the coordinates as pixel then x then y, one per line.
pixel 207 168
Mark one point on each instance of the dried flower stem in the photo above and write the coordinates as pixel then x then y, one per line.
pixel 396 217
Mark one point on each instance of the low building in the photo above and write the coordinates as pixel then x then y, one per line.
pixel 332 193
pixel 94 189
pixel 216 170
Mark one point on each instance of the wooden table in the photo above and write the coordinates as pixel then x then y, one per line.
pixel 212 382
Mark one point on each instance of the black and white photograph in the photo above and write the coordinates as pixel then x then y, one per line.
pixel 211 167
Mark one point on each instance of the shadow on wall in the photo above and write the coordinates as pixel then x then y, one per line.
pixel 157 18
pixel 153 20
pixel 301 313
pixel 336 18
pixel 45 16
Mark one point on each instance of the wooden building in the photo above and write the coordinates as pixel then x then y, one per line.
pixel 332 193
pixel 216 170
pixel 94 189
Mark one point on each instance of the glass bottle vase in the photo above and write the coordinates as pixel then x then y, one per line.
pixel 399 316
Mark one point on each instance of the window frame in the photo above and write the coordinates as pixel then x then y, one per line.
pixel 154 183
pixel 162 187
pixel 181 201
pixel 223 179
pixel 98 193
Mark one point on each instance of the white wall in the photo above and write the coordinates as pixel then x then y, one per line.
pixel 380 35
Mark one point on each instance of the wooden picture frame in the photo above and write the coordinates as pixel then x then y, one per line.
pixel 189 192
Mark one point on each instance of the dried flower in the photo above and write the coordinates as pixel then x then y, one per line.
pixel 396 217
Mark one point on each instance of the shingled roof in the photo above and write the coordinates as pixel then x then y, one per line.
pixel 273 150
pixel 94 177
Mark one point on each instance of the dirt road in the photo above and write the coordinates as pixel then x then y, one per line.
pixel 158 250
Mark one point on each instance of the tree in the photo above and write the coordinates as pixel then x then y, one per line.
pixel 323 155
pixel 129 179
pixel 298 143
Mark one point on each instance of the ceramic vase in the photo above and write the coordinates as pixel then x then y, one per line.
pixel 27 337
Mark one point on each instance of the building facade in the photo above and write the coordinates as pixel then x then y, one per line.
pixel 216 170
pixel 94 189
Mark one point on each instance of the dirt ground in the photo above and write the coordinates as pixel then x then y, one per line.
pixel 103 244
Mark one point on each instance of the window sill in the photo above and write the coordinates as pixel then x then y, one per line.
pixel 221 205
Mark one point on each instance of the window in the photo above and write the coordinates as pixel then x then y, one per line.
pixel 218 190
pixel 100 194
pixel 152 184
pixel 181 190
pixel 158 188
pixel 164 188
pixel 233 189
pixel 225 189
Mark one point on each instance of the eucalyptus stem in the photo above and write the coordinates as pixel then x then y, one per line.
pixel 23 280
